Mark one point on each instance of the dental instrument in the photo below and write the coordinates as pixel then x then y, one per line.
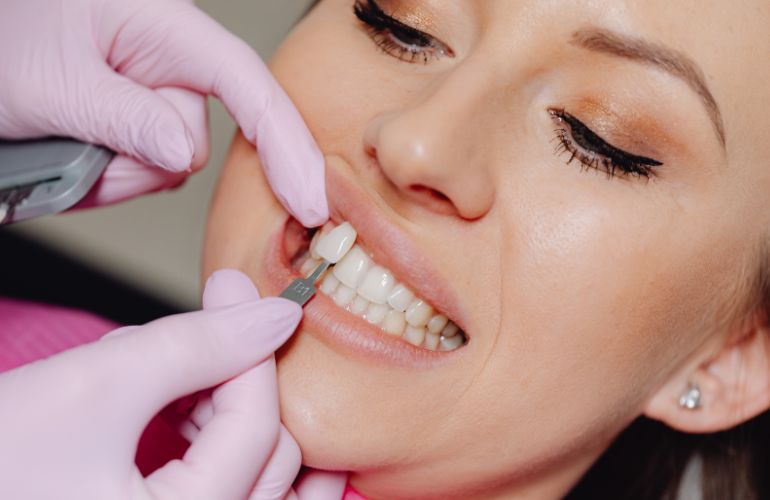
pixel 46 176
pixel 330 250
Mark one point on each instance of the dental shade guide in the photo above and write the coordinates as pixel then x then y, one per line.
pixel 302 289
pixel 338 243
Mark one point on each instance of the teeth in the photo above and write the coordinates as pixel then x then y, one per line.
pixel 414 335
pixel 432 341
pixel 353 267
pixel 450 330
pixel 377 285
pixel 394 323
pixel 329 284
pixel 437 323
pixel 338 242
pixel 371 292
pixel 418 313
pixel 359 306
pixel 376 313
pixel 344 295
pixel 400 298
pixel 451 343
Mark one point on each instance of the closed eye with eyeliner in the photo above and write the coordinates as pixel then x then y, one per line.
pixel 411 45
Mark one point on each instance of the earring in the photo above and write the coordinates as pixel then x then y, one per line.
pixel 690 399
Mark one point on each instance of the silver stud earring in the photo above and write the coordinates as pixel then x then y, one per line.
pixel 690 399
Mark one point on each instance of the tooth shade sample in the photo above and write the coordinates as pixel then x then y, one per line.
pixel 394 323
pixel 400 298
pixel 353 267
pixel 450 343
pixel 375 314
pixel 431 341
pixel 377 285
pixel 343 295
pixel 414 335
pixel 314 242
pixel 359 306
pixel 437 323
pixel 418 313
pixel 337 243
pixel 329 284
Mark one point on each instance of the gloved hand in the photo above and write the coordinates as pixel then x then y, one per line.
pixel 133 75
pixel 70 424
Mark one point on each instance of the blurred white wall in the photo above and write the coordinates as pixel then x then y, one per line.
pixel 154 242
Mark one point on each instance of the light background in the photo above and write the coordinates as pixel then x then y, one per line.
pixel 154 242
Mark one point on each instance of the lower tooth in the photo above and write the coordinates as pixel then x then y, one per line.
pixel 414 335
pixel 432 341
pixel 329 284
pixel 344 295
pixel 394 323
pixel 359 306
pixel 451 343
pixel 450 330
pixel 375 314
pixel 437 323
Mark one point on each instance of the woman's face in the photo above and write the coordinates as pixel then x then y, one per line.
pixel 469 143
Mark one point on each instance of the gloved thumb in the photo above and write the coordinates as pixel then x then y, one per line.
pixel 132 120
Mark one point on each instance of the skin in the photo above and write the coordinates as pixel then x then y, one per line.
pixel 590 300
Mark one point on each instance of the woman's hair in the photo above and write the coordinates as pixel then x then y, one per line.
pixel 649 460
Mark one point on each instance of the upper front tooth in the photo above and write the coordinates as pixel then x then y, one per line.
pixel 338 242
pixel 400 298
pixel 352 268
pixel 377 285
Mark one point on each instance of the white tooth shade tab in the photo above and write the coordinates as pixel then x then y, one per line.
pixel 334 245
pixel 377 285
pixel 353 267
pixel 418 313
pixel 400 298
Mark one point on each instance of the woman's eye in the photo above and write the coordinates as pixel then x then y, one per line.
pixel 582 144
pixel 396 38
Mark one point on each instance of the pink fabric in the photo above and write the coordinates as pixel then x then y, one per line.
pixel 30 331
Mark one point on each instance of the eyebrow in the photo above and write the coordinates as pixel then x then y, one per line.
pixel 667 59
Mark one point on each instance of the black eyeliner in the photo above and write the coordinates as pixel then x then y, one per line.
pixel 370 13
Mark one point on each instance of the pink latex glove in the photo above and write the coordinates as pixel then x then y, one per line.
pixel 71 423
pixel 134 75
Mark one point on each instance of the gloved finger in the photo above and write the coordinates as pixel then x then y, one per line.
pixel 291 159
pixel 281 470
pixel 126 178
pixel 321 485
pixel 178 355
pixel 231 450
pixel 130 119
pixel 225 287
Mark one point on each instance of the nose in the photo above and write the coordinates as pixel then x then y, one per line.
pixel 433 150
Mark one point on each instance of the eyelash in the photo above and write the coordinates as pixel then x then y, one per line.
pixel 412 45
pixel 396 38
pixel 592 151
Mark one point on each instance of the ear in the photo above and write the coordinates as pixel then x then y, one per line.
pixel 734 385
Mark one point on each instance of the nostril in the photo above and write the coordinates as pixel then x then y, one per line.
pixel 433 198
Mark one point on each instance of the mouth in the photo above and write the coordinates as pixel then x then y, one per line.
pixel 367 290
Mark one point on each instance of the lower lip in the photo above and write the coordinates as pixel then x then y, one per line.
pixel 338 328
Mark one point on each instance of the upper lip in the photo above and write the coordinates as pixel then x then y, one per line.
pixel 391 246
